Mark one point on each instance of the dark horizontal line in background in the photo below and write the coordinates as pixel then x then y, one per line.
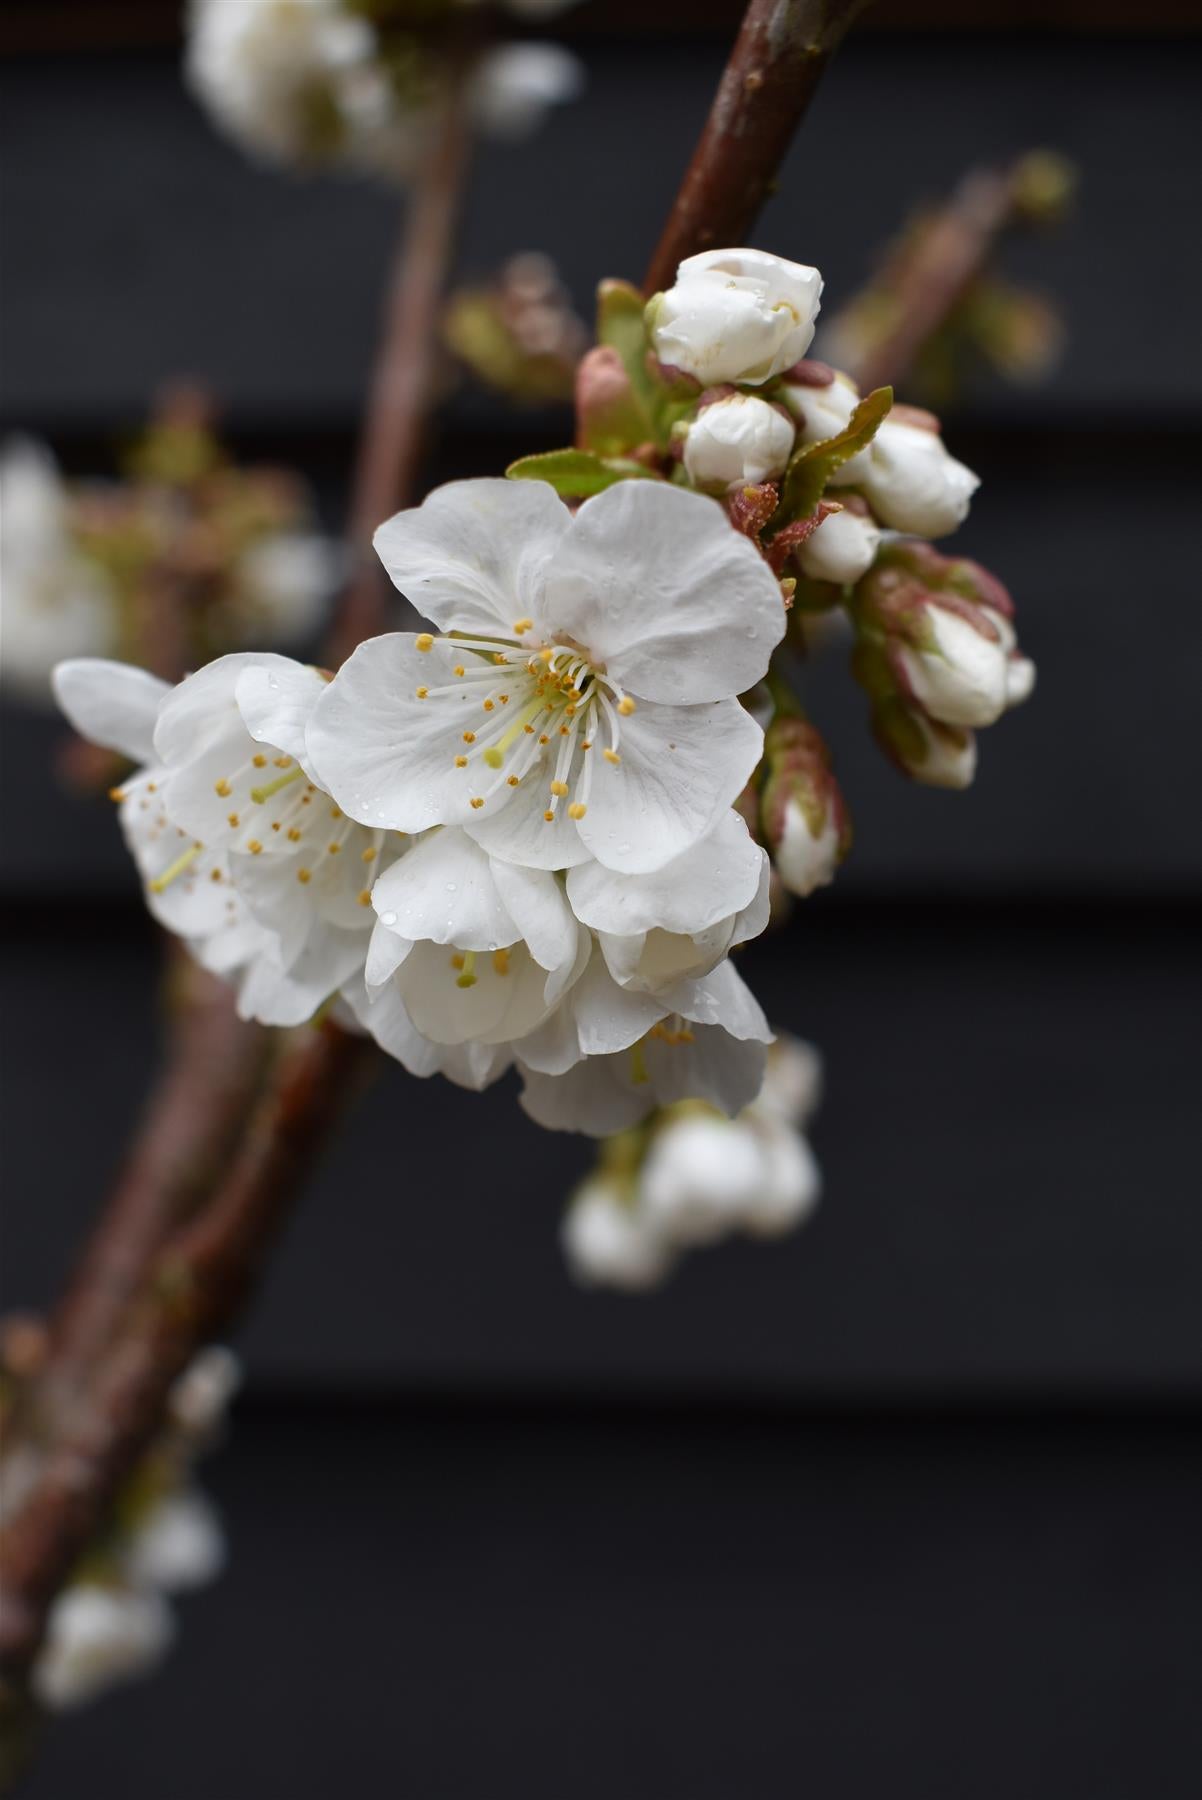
pixel 54 26
pixel 646 1403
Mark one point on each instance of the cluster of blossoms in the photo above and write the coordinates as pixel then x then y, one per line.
pixel 188 547
pixel 115 1620
pixel 358 84
pixel 692 1177
pixel 531 836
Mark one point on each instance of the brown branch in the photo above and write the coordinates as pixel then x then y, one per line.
pixel 400 394
pixel 196 1284
pixel 778 59
pixel 947 254
pixel 195 1114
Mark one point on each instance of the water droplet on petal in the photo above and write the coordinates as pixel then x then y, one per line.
pixel 388 918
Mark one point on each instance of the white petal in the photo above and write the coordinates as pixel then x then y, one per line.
pixel 204 707
pixel 111 704
pixel 591 1097
pixel 443 890
pixel 386 951
pixel 681 769
pixel 387 757
pixel 726 1071
pixel 473 556
pixel 723 998
pixel 276 699
pixel 536 903
pixel 654 582
pixel 716 876
pixel 521 834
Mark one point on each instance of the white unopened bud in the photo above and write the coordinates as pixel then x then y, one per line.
pixel 843 547
pixel 938 756
pixel 735 315
pixel 821 411
pixel 609 1242
pixel 805 861
pixel 700 1177
pixel 96 1637
pixel 738 439
pixel 962 678
pixel 179 1545
pixel 791 1182
pixel 792 1081
pixel 911 481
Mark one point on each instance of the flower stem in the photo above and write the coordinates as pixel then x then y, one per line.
pixel 778 59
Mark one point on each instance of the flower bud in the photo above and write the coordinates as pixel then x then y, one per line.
pixel 935 755
pixel 944 632
pixel 844 546
pixel 804 820
pixel 701 1177
pixel 608 1240
pixel 911 480
pixel 737 439
pixel 823 407
pixel 735 315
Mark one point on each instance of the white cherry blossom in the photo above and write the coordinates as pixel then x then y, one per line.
pixel 842 548
pixel 178 1545
pixel 56 602
pixel 609 1054
pixel 804 860
pixel 735 315
pixel 677 922
pixel 608 1240
pixel 581 700
pixel 961 676
pixel 475 950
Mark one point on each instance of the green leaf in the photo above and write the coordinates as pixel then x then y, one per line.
pixel 574 474
pixel 812 467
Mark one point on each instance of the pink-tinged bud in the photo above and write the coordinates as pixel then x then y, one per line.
pixel 935 755
pixel 803 817
pixel 609 417
pixel 942 629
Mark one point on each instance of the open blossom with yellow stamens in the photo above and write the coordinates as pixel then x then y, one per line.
pixel 579 700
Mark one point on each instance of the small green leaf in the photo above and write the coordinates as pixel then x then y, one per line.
pixel 574 474
pixel 812 467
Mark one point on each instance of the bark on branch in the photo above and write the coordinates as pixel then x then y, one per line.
pixel 779 57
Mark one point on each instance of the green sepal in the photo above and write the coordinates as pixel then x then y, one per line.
pixel 574 474
pixel 621 325
pixel 811 468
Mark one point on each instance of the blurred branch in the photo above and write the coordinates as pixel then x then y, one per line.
pixel 942 256
pixel 778 59
pixel 401 389
pixel 196 1283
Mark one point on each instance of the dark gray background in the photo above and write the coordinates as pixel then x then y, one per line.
pixel 904 1502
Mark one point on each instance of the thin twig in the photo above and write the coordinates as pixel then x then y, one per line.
pixel 197 1282
pixel 779 58
pixel 939 266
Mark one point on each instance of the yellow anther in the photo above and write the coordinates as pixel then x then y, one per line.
pixel 306 799
pixel 489 706
pixel 365 897
pixel 422 693
pixel 528 729
pixel 294 835
pixel 259 761
pixel 459 669
pixel 546 654
pixel 625 706
pixel 559 787
pixel 117 794
pixel 494 756
pixel 477 802
pixel 563 731
pixel 275 825
pixel 500 961
pixel 260 794
pixel 611 756
pixel 335 812
pixel 303 875
pixel 215 875
pixel 543 738
pixel 232 819
pixel 504 699
pixel 521 625
pixel 333 849
pixel 548 816
pixel 152 787
pixel 282 762
pixel 469 737
pixel 424 641
pixel 369 855
pixel 512 780
pixel 577 810
pixel 456 961
pixel 461 762
pixel 222 789
pixel 499 659
pixel 255 847
pixel 586 743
